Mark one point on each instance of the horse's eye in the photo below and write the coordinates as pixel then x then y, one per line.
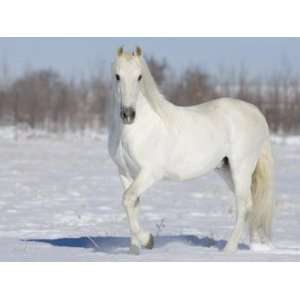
pixel 117 77
pixel 140 78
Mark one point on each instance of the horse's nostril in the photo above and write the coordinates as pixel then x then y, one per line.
pixel 127 115
pixel 132 114
pixel 123 115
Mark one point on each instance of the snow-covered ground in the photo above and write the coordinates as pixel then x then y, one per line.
pixel 60 200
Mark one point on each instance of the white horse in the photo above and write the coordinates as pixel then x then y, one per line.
pixel 152 139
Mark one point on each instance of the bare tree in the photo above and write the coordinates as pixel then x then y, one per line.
pixel 44 99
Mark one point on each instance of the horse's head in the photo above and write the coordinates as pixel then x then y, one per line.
pixel 127 72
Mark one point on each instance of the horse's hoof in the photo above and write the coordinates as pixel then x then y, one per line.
pixel 150 242
pixel 260 247
pixel 134 250
pixel 229 249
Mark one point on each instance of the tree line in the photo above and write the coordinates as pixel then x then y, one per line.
pixel 46 100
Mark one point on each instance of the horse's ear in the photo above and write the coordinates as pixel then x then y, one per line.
pixel 138 51
pixel 120 51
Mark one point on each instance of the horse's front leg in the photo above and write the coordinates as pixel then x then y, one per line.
pixel 131 203
pixel 135 243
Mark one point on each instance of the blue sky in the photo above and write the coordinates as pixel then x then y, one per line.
pixel 79 56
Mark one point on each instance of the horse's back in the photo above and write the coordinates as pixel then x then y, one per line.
pixel 237 113
pixel 231 107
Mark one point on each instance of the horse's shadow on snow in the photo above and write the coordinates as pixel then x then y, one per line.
pixel 114 244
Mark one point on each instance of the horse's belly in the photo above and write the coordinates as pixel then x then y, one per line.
pixel 197 157
pixel 191 169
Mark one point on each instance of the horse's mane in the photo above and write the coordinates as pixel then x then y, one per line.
pixel 152 93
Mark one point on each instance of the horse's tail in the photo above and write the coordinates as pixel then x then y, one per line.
pixel 261 188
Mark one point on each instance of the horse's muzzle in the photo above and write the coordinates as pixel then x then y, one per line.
pixel 127 115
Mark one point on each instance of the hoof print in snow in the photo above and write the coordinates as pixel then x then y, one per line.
pixel 134 250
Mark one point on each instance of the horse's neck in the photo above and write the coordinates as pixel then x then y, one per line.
pixel 143 106
pixel 156 100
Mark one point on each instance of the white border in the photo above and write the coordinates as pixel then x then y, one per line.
pixel 149 281
pixel 149 18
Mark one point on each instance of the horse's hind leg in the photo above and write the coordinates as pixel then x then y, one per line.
pixel 225 172
pixel 131 203
pixel 241 176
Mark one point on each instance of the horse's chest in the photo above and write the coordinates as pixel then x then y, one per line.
pixel 128 156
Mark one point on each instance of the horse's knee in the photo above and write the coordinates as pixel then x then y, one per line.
pixel 129 200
